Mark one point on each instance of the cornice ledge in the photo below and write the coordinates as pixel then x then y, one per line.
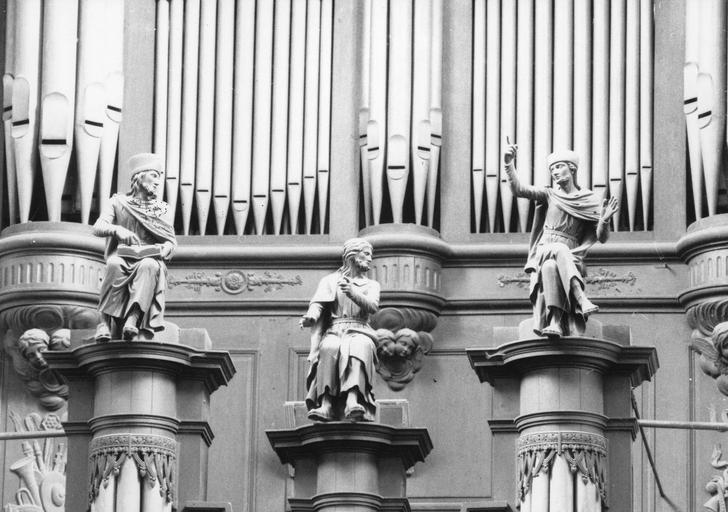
pixel 530 354
pixel 412 445
pixel 215 367
pixel 704 235
pixel 503 426
pixel 201 428
pixel 623 425
pixel 397 239
pixel 51 236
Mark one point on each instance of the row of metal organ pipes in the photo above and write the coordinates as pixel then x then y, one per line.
pixel 243 116
pixel 567 74
pixel 705 101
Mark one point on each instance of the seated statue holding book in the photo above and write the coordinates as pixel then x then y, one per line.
pixel 141 240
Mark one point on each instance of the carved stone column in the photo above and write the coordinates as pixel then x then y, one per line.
pixel 139 411
pixel 572 421
pixel 357 467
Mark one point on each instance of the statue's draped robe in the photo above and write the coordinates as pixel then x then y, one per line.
pixel 564 228
pixel 130 281
pixel 342 333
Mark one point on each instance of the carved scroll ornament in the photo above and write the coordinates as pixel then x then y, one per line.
pixel 402 343
pixel 155 458
pixel 585 453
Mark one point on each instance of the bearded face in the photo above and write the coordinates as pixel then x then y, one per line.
pixel 147 184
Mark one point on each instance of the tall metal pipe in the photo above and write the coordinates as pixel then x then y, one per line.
pixel 310 121
pixel 420 128
pixel 478 128
pixel 294 172
pixel 324 120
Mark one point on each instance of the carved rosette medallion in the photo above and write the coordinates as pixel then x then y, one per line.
pixel 585 453
pixel 155 458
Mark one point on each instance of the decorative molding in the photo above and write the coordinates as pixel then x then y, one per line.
pixel 402 342
pixel 155 457
pixel 234 282
pixel 517 357
pixel 129 421
pixel 586 454
pixel 538 419
pixel 42 471
pixel 717 487
pixel 346 500
pixel 604 279
pixel 704 316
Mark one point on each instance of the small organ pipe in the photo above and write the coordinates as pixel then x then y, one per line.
pixel 435 110
pixel 420 127
pixel 324 120
pixel 377 126
pixel 114 88
pixel 617 101
pixel 508 102
pixel 294 173
pixel 189 111
pixel 400 91
pixel 478 148
pixel 632 113
pixel 646 108
pixel 243 112
pixel 222 152
pixel 25 99
pixel 205 112
pixel 310 121
pixel 58 95
pixel 524 103
pixel 262 112
pixel 492 108
pixel 600 98
pixel 174 107
pixel 279 128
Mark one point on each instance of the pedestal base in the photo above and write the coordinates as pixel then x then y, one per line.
pixel 356 467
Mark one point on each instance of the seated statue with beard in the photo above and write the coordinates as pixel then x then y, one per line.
pixel 140 241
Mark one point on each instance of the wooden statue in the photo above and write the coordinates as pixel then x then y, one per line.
pixel 343 353
pixel 140 241
pixel 567 222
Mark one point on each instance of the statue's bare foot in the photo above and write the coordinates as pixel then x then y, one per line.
pixel 354 412
pixel 129 332
pixel 322 413
pixel 103 333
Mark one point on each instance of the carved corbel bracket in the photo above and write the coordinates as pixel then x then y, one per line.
pixel 403 339
pixel 408 266
pixel 29 332
pixel 705 250
pixel 718 484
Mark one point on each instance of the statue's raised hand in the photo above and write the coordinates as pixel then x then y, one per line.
pixel 609 208
pixel 509 154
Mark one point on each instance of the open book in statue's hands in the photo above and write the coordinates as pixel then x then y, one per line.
pixel 137 252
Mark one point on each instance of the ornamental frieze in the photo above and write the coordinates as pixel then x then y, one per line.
pixel 584 452
pixel 603 279
pixel 234 282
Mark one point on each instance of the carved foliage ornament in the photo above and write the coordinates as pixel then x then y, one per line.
pixel 585 453
pixel 155 458
pixel 402 343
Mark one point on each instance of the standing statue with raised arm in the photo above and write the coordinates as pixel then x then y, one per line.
pixel 140 241
pixel 343 353
pixel 568 220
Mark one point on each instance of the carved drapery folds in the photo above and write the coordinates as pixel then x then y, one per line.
pixel 402 342
pixel 584 452
pixel 154 456
pixel 32 330
pixel 718 485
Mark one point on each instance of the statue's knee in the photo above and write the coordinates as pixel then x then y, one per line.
pixel 114 264
pixel 549 267
pixel 148 265
pixel 329 346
